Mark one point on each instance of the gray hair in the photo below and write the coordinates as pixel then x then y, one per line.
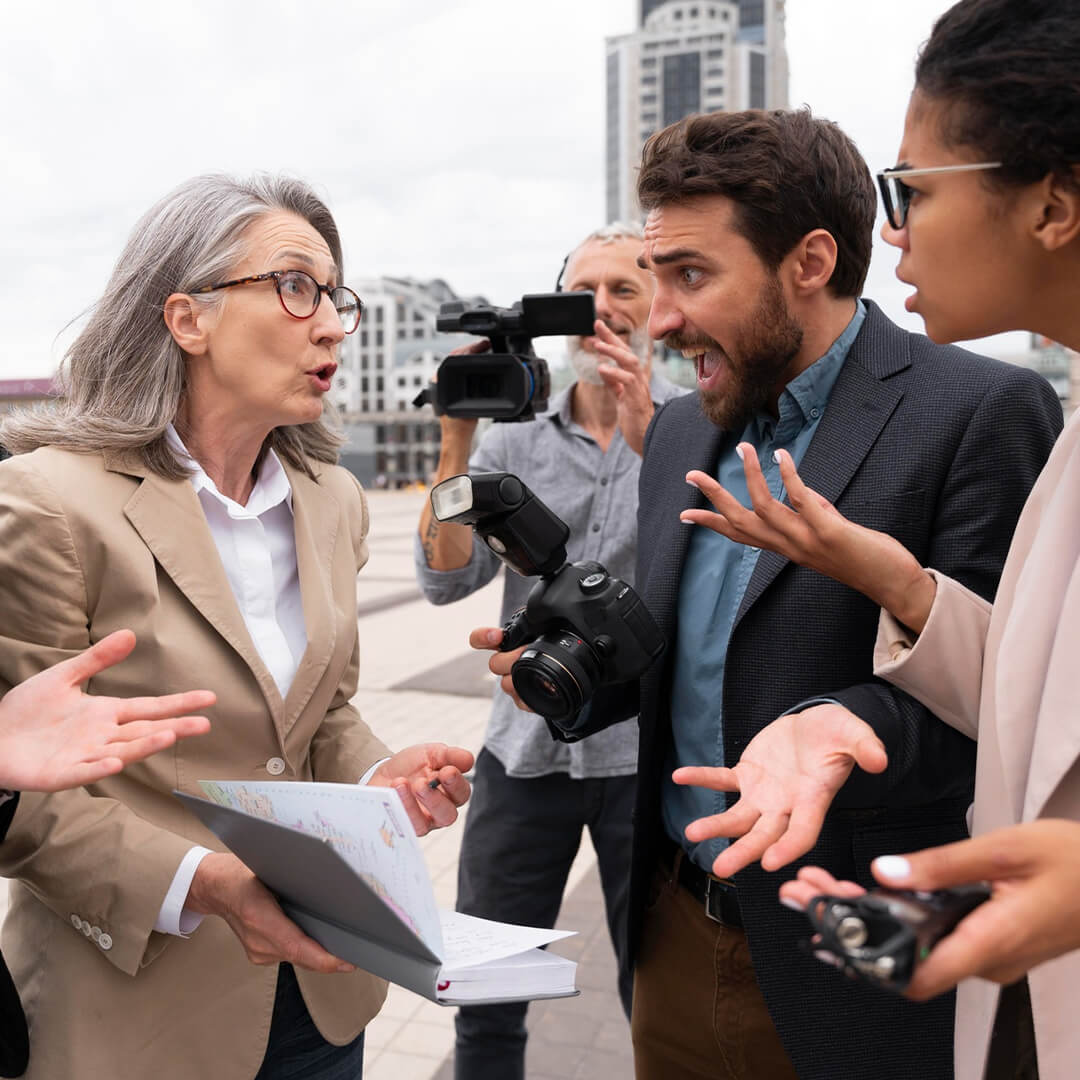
pixel 611 233
pixel 124 377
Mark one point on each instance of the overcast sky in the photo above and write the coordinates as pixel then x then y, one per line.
pixel 460 139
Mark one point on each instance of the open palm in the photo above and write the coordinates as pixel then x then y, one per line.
pixel 786 778
pixel 53 736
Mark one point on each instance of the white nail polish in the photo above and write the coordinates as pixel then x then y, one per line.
pixel 739 451
pixel 776 456
pixel 892 866
pixel 788 902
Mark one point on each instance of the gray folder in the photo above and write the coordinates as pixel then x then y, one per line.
pixel 328 900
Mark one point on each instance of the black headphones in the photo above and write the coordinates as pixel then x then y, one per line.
pixel 562 270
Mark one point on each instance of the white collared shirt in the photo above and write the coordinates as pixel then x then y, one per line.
pixel 257 545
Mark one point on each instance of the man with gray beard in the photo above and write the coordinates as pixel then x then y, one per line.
pixel 532 796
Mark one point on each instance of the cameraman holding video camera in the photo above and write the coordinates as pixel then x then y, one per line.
pixel 531 795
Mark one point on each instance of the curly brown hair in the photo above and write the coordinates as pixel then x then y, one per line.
pixel 787 173
pixel 1008 74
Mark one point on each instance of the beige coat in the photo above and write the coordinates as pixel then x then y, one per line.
pixel 89 546
pixel 1008 676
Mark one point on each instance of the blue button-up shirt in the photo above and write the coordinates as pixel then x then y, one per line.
pixel 714 579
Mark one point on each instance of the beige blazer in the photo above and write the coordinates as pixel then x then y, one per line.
pixel 1008 676
pixel 87 546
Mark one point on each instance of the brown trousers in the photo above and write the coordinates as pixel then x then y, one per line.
pixel 698 1011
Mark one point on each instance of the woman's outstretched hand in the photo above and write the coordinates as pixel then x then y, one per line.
pixel 1032 916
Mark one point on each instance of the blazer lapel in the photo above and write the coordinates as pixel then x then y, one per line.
pixel 316 516
pixel 661 556
pixel 859 407
pixel 168 517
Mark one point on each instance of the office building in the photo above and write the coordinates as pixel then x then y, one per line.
pixel 686 56
pixel 381 368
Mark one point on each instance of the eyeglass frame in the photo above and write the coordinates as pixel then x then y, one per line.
pixel 275 276
pixel 892 213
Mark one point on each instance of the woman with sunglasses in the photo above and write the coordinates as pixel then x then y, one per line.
pixel 186 487
pixel 985 210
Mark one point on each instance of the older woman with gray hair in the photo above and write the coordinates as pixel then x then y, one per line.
pixel 186 487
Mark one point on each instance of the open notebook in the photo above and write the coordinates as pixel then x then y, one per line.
pixel 344 863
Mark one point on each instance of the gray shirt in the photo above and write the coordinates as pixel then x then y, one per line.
pixel 595 493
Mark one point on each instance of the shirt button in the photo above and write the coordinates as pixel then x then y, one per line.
pixel 275 766
pixel 95 933
pixel 85 928
pixel 815 413
pixel 76 921
pixel 105 942
pixel 596 526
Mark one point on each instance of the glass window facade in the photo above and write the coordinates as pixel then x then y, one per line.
pixel 682 86
pixel 757 80
pixel 612 141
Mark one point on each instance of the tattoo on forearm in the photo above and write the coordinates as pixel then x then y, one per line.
pixel 430 537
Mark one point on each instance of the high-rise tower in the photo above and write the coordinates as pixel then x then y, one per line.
pixel 687 56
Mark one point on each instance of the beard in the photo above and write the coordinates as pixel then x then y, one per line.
pixel 763 348
pixel 586 364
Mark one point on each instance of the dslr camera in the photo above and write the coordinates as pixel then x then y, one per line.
pixel 510 382
pixel 584 628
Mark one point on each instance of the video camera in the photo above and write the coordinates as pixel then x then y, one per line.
pixel 510 382
pixel 588 629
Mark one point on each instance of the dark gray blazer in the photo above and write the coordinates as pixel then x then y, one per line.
pixel 939 448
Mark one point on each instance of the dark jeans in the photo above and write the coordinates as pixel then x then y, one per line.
pixel 520 838
pixel 296 1050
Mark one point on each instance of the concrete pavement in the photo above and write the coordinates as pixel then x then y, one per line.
pixel 418 681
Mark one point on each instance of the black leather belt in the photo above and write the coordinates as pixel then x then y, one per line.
pixel 718 896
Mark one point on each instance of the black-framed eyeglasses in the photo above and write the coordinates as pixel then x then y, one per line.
pixel 896 195
pixel 300 294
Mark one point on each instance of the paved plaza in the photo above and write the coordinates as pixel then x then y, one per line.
pixel 420 682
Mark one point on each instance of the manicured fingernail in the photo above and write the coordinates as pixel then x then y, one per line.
pixel 892 866
pixel 692 483
pixel 493 637
pixel 345 968
pixel 686 521
pixel 739 451
pixel 788 902
pixel 776 456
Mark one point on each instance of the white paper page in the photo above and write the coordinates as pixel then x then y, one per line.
pixel 469 941
pixel 367 827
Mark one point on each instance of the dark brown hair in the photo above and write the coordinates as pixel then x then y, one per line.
pixel 1008 75
pixel 787 172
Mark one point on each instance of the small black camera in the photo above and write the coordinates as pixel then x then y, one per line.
pixel 883 935
pixel 510 382
pixel 587 628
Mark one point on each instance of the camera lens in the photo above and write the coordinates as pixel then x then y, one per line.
pixel 557 675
